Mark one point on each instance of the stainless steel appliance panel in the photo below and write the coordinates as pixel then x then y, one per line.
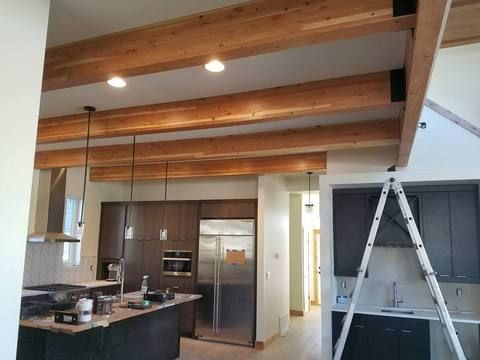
pixel 207 266
pixel 226 279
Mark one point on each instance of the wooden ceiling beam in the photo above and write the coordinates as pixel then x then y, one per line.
pixel 348 94
pixel 246 29
pixel 295 141
pixel 422 47
pixel 225 167
pixel 463 24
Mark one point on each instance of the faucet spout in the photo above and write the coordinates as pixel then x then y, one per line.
pixel 121 276
pixel 396 300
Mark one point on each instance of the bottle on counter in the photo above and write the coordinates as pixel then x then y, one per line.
pixel 144 288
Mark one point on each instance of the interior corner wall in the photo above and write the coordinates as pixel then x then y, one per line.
pixel 296 262
pixel 23 31
pixel 272 255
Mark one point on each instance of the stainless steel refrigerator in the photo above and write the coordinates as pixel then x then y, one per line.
pixel 226 279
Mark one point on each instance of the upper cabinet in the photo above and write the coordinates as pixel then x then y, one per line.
pixel 111 231
pixel 232 209
pixel 447 218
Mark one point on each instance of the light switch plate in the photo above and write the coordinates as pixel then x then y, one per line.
pixel 269 275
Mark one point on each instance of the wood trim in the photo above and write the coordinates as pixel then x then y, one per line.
pixel 465 124
pixel 463 24
pixel 262 345
pixel 431 19
pixel 297 312
pixel 247 29
pixel 295 141
pixel 225 167
pixel 347 94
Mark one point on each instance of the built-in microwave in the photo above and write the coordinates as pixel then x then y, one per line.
pixel 177 263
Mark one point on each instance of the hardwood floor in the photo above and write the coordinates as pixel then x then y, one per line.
pixel 301 343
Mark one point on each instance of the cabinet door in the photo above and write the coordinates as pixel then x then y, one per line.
pixel 356 347
pixel 133 265
pixel 465 234
pixel 136 218
pixel 189 224
pixel 182 285
pixel 383 338
pixel 413 339
pixel 153 221
pixel 112 224
pixel 152 262
pixel 436 232
pixel 172 221
pixel 393 230
pixel 350 232
pixel 229 210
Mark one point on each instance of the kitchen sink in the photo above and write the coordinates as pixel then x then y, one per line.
pixel 398 311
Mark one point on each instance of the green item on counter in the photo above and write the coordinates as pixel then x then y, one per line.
pixel 146 302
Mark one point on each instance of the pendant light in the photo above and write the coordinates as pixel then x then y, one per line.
pixel 129 227
pixel 309 205
pixel 81 223
pixel 163 230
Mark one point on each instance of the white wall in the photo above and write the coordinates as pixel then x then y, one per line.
pixel 295 252
pixel 23 27
pixel 456 81
pixel 442 152
pixel 272 255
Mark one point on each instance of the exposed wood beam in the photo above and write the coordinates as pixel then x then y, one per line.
pixel 421 52
pixel 225 167
pixel 348 94
pixel 453 117
pixel 304 140
pixel 463 24
pixel 247 29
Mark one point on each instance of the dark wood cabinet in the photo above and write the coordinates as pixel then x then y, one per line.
pixel 136 218
pixel 189 222
pixel 350 231
pixel 173 221
pixel 381 337
pixel 238 209
pixel 152 262
pixel 153 221
pixel 133 264
pixel 112 227
pixel 447 217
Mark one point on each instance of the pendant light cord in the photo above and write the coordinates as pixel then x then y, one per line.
pixel 89 109
pixel 165 197
pixel 132 174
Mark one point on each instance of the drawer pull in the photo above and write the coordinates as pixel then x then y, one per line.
pixel 407 331
pixel 444 275
pixel 359 326
pixel 461 276
pixel 389 329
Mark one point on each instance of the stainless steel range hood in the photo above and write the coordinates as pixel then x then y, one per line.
pixel 53 231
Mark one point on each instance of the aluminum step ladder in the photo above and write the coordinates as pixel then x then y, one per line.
pixel 438 300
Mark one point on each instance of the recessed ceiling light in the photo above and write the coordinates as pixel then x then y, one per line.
pixel 215 66
pixel 117 82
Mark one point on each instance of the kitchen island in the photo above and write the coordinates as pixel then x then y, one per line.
pixel 152 333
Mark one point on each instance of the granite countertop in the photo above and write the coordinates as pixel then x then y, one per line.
pixel 120 313
pixel 424 314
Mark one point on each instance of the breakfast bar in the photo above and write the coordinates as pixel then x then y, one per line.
pixel 153 333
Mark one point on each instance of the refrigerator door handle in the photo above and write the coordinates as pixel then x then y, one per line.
pixel 218 300
pixel 214 322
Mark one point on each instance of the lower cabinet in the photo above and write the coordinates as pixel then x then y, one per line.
pixel 383 338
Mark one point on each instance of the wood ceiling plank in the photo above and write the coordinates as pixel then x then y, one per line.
pixel 348 94
pixel 463 24
pixel 421 52
pixel 224 167
pixel 247 29
pixel 295 141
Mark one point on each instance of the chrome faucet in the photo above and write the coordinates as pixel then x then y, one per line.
pixel 121 276
pixel 396 300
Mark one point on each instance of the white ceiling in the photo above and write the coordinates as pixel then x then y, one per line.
pixel 73 20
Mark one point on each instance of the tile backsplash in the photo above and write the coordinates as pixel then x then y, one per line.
pixel 44 265
pixel 401 265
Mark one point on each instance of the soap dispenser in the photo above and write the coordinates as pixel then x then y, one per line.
pixel 144 288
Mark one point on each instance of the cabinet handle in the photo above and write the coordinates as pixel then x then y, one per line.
pixel 461 276
pixel 407 331
pixel 389 329
pixel 444 275
pixel 359 326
